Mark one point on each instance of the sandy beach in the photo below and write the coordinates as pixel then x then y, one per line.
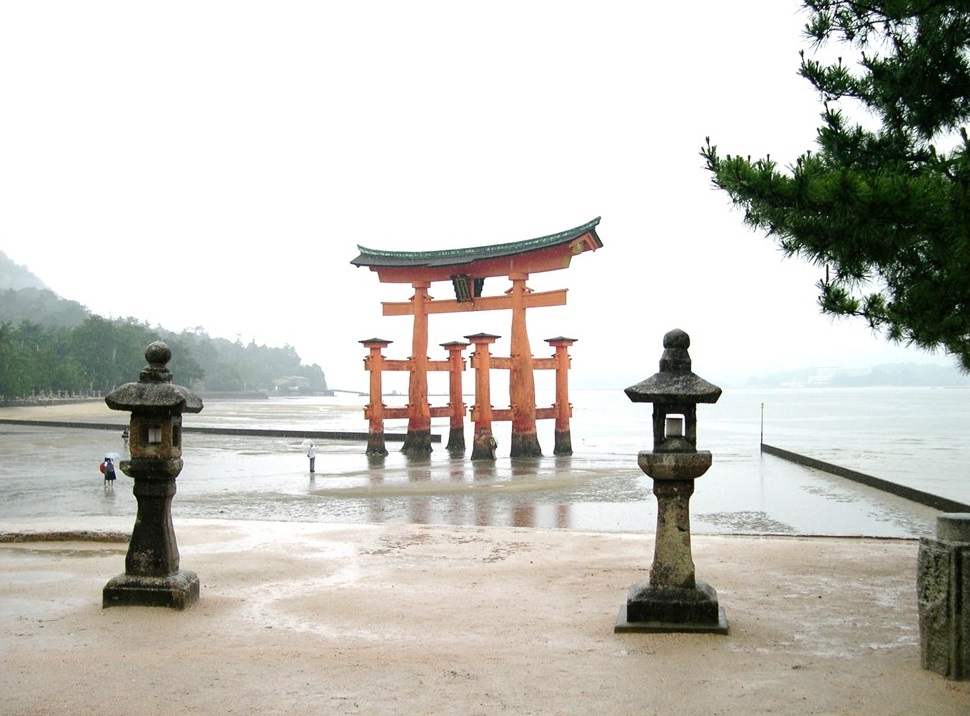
pixel 301 618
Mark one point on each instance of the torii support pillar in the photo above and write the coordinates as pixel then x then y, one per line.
pixel 456 405
pixel 374 411
pixel 564 442
pixel 483 443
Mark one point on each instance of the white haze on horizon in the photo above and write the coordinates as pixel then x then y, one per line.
pixel 214 165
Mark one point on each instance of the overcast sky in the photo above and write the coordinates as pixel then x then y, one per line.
pixel 216 164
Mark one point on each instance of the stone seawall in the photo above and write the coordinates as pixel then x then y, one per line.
pixel 909 493
pixel 255 432
pixel 43 402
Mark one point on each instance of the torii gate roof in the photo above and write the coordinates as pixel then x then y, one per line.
pixel 546 253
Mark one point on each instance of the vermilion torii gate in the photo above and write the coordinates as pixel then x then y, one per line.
pixel 466 270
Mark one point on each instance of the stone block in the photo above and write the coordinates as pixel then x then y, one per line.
pixel 651 608
pixel 943 592
pixel 175 591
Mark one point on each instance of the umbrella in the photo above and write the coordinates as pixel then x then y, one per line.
pixel 306 445
pixel 112 456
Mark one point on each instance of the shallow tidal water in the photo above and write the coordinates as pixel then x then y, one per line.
pixel 51 473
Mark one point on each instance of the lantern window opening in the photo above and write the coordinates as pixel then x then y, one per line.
pixel 151 434
pixel 674 426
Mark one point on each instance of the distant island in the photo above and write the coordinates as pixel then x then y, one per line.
pixel 901 375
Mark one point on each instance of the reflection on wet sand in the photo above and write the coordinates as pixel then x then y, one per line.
pixel 446 492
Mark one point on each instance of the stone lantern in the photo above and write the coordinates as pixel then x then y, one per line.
pixel 152 576
pixel 672 600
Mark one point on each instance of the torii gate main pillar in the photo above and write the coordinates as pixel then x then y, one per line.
pixel 522 385
pixel 418 438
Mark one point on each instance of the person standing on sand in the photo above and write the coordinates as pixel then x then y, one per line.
pixel 311 452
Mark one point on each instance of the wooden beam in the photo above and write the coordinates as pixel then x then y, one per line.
pixel 483 303
pixel 398 364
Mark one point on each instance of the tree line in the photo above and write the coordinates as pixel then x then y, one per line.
pixel 99 354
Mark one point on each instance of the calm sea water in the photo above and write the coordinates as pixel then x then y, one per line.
pixel 917 437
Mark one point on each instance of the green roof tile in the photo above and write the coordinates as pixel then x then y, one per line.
pixel 448 257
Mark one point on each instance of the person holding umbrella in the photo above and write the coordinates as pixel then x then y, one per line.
pixel 311 452
pixel 109 471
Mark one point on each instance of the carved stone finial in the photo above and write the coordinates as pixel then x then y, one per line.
pixel 675 358
pixel 158 354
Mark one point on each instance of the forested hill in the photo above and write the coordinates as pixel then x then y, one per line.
pixel 52 345
pixel 41 306
pixel 13 275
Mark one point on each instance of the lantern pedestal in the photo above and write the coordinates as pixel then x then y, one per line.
pixel 175 591
pixel 672 600
pixel 152 576
pixel 656 609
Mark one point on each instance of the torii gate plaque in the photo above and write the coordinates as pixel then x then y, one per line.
pixel 467 269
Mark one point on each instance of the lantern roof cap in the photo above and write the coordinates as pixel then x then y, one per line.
pixel 154 390
pixel 676 382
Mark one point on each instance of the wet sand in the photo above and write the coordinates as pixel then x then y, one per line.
pixel 308 618
pixel 387 619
